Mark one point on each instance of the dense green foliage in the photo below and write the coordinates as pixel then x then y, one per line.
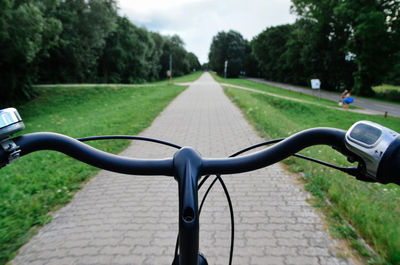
pixel 373 209
pixel 85 26
pixel 393 75
pixel 27 32
pixel 346 44
pixel 231 47
pixel 269 49
pixel 72 41
pixel 360 28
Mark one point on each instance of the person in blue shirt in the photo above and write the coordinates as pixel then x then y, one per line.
pixel 347 99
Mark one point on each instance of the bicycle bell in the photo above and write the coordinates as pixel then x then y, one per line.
pixel 10 123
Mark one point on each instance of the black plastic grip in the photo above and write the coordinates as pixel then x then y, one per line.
pixel 389 167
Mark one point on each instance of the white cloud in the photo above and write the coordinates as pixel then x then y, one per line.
pixel 197 21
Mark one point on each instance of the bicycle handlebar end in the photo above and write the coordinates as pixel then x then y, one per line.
pixel 3 158
pixel 389 167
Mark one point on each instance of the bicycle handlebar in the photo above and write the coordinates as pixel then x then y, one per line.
pixel 376 148
pixel 187 165
pixel 388 171
pixel 316 136
pixel 51 141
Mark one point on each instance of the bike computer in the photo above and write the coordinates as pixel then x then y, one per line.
pixel 369 141
pixel 10 122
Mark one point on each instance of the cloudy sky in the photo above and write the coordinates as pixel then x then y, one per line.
pixel 197 21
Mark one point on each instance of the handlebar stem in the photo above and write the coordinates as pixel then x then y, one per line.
pixel 187 164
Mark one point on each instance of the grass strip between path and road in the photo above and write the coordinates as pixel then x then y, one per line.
pixel 388 93
pixel 372 209
pixel 276 91
pixel 40 183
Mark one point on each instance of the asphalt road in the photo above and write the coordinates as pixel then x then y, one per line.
pixel 373 106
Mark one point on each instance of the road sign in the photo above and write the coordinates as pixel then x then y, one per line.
pixel 315 84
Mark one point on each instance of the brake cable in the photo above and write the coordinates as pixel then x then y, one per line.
pixel 128 137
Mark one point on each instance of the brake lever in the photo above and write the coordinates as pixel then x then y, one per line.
pixel 358 172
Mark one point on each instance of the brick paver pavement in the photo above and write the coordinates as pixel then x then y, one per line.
pixel 121 219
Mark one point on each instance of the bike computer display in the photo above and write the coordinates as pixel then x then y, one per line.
pixel 10 122
pixel 369 141
pixel 365 134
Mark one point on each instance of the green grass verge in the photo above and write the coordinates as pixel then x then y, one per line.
pixel 373 209
pixel 182 79
pixel 188 78
pixel 42 182
pixel 388 93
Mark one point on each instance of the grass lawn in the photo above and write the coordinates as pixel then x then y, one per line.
pixel 373 209
pixel 38 184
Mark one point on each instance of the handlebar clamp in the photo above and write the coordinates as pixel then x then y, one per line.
pixel 12 149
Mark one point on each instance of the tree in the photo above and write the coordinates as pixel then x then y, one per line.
pixel 269 49
pixel 194 64
pixel 27 33
pixel 155 57
pixel 369 41
pixel 205 66
pixel 174 46
pixel 228 46
pixel 392 9
pixel 393 75
pixel 86 24
pixel 352 29
pixel 300 57
pixel 125 54
pixel 326 36
pixel 251 65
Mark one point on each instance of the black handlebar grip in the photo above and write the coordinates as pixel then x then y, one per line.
pixel 3 157
pixel 389 167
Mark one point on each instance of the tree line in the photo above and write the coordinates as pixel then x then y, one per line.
pixel 73 41
pixel 353 44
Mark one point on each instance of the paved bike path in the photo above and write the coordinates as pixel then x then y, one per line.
pixel 121 219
